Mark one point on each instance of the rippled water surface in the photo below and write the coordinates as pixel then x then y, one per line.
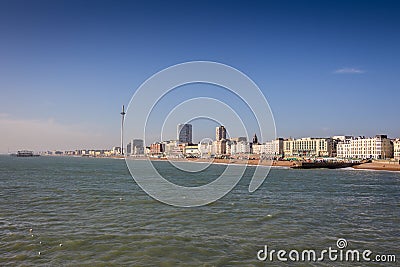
pixel 101 217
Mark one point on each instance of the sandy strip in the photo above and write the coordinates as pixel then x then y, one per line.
pixel 378 166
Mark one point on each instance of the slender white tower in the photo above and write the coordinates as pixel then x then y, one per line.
pixel 122 129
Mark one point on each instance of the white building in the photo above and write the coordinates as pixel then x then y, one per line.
pixel 116 150
pixel 243 147
pixel 309 147
pixel 231 147
pixel 273 148
pixel 206 148
pixel 396 149
pixel 192 151
pixel 174 149
pixel 341 138
pixel 378 147
pixel 219 147
pixel 258 148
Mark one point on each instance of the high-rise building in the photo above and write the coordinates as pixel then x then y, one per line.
pixel 135 147
pixel 184 133
pixel 220 133
pixel 219 147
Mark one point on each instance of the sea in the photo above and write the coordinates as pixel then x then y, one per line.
pixel 71 211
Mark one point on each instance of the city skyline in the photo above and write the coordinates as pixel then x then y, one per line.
pixel 325 68
pixel 339 147
pixel 184 133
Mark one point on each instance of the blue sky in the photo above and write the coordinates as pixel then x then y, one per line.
pixel 326 67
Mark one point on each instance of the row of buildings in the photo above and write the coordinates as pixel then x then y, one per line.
pixel 115 151
pixel 346 147
pixel 361 147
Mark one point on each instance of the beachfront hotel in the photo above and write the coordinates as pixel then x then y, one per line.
pixel 378 147
pixel 272 148
pixel 238 147
pixel 309 147
pixel 396 149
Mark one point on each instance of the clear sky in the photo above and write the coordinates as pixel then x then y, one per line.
pixel 66 67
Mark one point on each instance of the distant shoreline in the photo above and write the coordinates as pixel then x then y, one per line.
pixel 377 166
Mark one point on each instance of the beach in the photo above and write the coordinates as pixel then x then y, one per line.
pixel 379 166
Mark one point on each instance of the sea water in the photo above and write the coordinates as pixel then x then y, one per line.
pixel 89 211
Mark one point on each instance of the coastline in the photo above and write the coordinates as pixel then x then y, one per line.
pixel 286 164
pixel 377 166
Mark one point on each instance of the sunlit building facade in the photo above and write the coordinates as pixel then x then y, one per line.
pixel 396 149
pixel 308 147
pixel 378 147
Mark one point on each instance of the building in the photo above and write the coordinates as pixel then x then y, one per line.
pixel 341 138
pixel 255 139
pixel 219 147
pixel 184 133
pixel 157 149
pixel 192 151
pixel 257 148
pixel 308 147
pixel 378 147
pixel 231 147
pixel 220 133
pixel 272 148
pixel 135 147
pixel 129 149
pixel 396 149
pixel 172 149
pixel 205 148
pixel 243 147
pixel 238 139
pixel 116 150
